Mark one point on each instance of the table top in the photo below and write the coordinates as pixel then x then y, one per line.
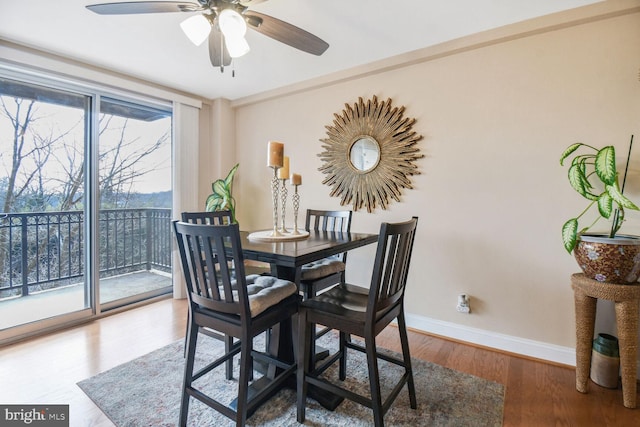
pixel 319 244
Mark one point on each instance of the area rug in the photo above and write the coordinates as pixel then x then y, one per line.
pixel 146 392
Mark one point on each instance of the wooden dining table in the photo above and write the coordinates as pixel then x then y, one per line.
pixel 286 259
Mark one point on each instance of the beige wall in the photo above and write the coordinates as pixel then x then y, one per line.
pixel 491 197
pixel 217 148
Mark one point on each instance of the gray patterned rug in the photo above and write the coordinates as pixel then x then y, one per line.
pixel 146 392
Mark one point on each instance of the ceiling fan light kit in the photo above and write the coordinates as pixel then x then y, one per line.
pixel 196 28
pixel 225 23
pixel 233 28
pixel 236 46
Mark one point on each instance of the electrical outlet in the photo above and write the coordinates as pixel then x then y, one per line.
pixel 464 305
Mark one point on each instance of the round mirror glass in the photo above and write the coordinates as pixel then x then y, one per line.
pixel 365 153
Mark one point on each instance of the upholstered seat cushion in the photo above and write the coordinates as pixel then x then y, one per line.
pixel 266 291
pixel 322 268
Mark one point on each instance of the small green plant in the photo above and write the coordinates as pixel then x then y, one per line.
pixel 221 199
pixel 589 174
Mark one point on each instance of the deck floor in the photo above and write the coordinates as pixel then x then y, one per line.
pixel 42 305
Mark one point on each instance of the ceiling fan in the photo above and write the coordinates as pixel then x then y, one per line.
pixel 225 23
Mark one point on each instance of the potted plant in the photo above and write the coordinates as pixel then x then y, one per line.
pixel 221 198
pixel 609 256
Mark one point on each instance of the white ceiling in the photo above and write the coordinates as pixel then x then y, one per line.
pixel 153 47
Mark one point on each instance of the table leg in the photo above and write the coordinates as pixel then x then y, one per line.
pixel 585 307
pixel 326 399
pixel 627 320
pixel 279 343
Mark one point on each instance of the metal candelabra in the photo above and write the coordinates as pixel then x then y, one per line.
pixel 274 194
pixel 296 206
pixel 283 203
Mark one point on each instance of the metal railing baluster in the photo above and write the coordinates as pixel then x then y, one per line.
pixel 134 239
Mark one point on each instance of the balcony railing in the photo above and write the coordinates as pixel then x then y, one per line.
pixel 46 250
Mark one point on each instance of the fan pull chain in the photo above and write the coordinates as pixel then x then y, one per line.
pixel 222 53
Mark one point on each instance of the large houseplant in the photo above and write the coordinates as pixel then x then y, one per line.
pixel 221 198
pixel 607 256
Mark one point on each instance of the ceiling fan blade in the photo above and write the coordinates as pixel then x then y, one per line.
pixel 218 53
pixel 134 7
pixel 287 33
pixel 249 3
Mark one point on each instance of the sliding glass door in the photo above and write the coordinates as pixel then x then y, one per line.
pixel 42 147
pixel 135 200
pixel 85 196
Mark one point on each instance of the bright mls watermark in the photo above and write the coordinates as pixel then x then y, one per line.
pixel 34 415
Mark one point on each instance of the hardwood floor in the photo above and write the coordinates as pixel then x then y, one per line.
pixel 46 369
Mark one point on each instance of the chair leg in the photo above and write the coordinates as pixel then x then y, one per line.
pixel 228 342
pixel 312 344
pixel 404 342
pixel 246 365
pixel 342 349
pixel 191 340
pixel 186 337
pixel 374 381
pixel 308 292
pixel 303 361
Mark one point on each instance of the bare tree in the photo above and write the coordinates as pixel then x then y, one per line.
pixel 118 171
pixel 36 148
pixel 20 118
pixel 31 150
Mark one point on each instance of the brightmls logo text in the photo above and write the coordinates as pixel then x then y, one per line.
pixel 34 415
pixel 28 416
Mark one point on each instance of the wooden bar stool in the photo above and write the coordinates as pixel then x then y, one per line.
pixel 627 302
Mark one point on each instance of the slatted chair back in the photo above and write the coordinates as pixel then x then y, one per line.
pixel 209 256
pixel 213 218
pixel 391 267
pixel 329 221
pixel 321 220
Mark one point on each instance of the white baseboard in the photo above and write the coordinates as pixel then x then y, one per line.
pixel 522 346
pixel 509 343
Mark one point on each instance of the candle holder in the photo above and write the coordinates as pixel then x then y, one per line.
pixel 283 204
pixel 274 194
pixel 296 206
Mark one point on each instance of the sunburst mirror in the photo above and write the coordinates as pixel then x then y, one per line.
pixel 369 154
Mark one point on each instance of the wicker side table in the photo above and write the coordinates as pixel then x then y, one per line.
pixel 627 306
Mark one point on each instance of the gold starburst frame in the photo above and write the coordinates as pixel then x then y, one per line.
pixel 397 152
